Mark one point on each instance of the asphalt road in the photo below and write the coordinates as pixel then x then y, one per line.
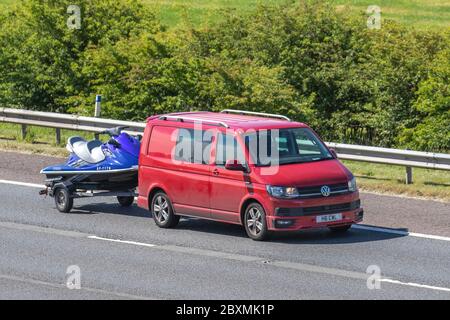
pixel 123 255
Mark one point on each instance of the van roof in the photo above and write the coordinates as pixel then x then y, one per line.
pixel 237 121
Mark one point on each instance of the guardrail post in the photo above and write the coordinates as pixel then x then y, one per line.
pixel 58 136
pixel 98 101
pixel 24 131
pixel 409 178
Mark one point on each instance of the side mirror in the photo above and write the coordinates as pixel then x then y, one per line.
pixel 333 153
pixel 235 165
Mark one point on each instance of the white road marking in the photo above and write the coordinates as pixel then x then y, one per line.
pixel 417 285
pixel 400 232
pixel 123 241
pixel 22 184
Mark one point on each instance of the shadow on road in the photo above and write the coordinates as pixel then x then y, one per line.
pixel 110 208
pixel 317 236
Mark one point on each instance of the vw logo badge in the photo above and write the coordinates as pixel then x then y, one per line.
pixel 325 190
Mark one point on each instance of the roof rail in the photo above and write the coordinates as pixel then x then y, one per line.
pixel 193 119
pixel 267 115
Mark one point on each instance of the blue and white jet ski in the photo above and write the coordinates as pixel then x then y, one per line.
pixel 95 168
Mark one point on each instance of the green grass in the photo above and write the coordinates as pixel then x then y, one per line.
pixel 422 14
pixel 391 179
pixel 370 177
pixel 38 140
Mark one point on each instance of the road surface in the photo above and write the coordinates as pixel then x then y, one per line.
pixel 121 254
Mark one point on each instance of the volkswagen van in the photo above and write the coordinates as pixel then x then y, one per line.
pixel 262 171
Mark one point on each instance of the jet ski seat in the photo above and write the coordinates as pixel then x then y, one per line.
pixel 89 151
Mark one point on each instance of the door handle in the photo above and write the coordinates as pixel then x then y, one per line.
pixel 215 172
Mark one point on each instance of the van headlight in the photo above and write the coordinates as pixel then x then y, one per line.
pixel 282 192
pixel 352 185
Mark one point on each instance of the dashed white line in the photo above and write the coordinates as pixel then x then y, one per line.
pixel 277 263
pixel 225 255
pixel 142 244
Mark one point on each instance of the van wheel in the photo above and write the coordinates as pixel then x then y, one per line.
pixel 340 229
pixel 255 222
pixel 162 211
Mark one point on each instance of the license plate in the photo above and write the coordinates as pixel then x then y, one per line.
pixel 329 218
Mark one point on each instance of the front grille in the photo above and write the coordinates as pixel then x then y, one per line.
pixel 325 209
pixel 314 192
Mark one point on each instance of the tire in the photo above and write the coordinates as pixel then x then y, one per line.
pixel 63 201
pixel 255 222
pixel 162 211
pixel 340 229
pixel 125 201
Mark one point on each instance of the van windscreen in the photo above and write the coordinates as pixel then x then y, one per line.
pixel 285 146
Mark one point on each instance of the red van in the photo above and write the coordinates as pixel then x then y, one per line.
pixel 259 170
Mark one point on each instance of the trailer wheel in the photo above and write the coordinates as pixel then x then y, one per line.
pixel 63 201
pixel 125 201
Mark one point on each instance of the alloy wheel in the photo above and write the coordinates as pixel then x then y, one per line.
pixel 161 209
pixel 254 221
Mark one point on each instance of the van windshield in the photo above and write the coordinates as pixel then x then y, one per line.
pixel 285 146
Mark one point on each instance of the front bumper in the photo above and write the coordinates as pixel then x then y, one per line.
pixel 288 215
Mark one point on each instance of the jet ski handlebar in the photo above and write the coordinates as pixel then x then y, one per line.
pixel 114 131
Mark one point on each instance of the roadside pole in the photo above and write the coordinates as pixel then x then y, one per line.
pixel 97 112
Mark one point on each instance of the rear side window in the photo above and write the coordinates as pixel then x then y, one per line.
pixel 193 146
pixel 161 145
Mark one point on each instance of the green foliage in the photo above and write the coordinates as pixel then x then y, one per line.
pixel 385 87
pixel 42 58
pixel 433 104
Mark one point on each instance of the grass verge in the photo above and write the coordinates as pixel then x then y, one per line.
pixel 423 14
pixel 433 184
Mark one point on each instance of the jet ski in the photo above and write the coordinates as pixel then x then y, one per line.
pixel 95 168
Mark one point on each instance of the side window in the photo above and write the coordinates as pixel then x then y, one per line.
pixel 193 146
pixel 160 144
pixel 228 149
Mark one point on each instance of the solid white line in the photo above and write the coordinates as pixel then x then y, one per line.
pixel 142 244
pixel 417 285
pixel 23 184
pixel 399 232
pixel 428 236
